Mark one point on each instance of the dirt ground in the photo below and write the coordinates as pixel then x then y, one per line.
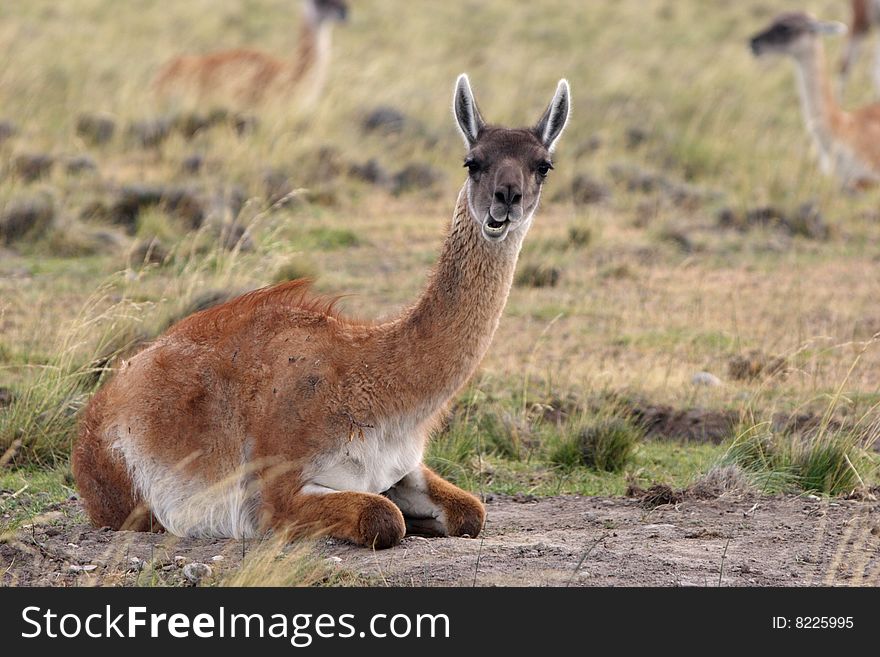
pixel 582 541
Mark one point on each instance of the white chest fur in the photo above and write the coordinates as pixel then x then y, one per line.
pixel 374 463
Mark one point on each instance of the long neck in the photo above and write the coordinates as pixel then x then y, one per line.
pixel 312 55
pixel 436 345
pixel 821 111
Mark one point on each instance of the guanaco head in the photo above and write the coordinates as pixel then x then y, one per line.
pixel 793 33
pixel 507 167
pixel 327 11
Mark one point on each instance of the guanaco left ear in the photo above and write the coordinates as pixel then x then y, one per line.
pixel 555 117
pixel 465 109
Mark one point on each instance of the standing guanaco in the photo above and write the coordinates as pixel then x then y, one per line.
pixel 245 77
pixel 848 141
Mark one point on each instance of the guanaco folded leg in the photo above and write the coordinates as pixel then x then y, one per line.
pixel 363 518
pixel 432 506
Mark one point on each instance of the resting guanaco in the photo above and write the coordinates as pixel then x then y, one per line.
pixel 848 142
pixel 245 77
pixel 273 411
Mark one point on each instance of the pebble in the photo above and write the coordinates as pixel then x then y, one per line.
pixel 705 379
pixel 81 569
pixel 195 572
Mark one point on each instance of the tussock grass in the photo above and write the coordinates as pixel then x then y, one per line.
pixel 274 562
pixel 39 425
pixel 828 462
pixel 603 443
pixel 294 268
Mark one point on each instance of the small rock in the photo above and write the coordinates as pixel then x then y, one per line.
pixel 180 202
pixel 705 379
pixel 537 275
pixel 136 564
pixel 385 119
pixel 371 172
pixel 6 396
pixel 81 569
pixel 150 134
pixel 185 204
pixel 277 185
pixel 417 176
pixel 245 124
pixel 192 164
pixel 807 221
pixel 756 364
pixel 586 190
pixel 635 136
pixel 33 166
pixel 189 125
pixel 80 164
pixel 218 557
pixel 334 559
pixel 236 236
pixel 148 252
pixel 7 131
pixel 195 572
pixel 589 145
pixel 26 218
pixel 96 129
pixel 179 561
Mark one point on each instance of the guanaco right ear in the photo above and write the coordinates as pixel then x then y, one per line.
pixel 465 109
pixel 551 125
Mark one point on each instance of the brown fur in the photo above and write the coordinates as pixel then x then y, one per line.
pixel 245 76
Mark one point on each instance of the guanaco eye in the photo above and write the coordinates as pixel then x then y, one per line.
pixel 544 168
pixel 473 166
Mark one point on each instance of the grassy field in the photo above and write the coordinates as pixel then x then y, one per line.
pixel 686 230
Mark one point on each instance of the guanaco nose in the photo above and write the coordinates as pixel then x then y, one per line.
pixel 508 194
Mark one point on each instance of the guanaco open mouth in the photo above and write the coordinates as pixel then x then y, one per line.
pixel 495 230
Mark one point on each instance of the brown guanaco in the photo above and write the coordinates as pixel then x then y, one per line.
pixel 848 141
pixel 274 411
pixel 245 77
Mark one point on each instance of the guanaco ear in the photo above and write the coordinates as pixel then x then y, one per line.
pixel 830 27
pixel 465 109
pixel 555 117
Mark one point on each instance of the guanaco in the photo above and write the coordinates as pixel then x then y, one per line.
pixel 848 142
pixel 246 77
pixel 864 16
pixel 272 411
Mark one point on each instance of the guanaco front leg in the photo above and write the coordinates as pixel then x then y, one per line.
pixel 433 506
pixel 363 518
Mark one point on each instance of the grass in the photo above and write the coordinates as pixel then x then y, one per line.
pixel 632 294
pixel 496 446
pixel 606 444
pixel 31 493
pixel 829 463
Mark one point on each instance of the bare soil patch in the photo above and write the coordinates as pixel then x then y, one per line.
pixel 584 541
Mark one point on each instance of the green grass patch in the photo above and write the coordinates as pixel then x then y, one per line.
pixel 829 462
pixel 28 493
pixel 603 443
